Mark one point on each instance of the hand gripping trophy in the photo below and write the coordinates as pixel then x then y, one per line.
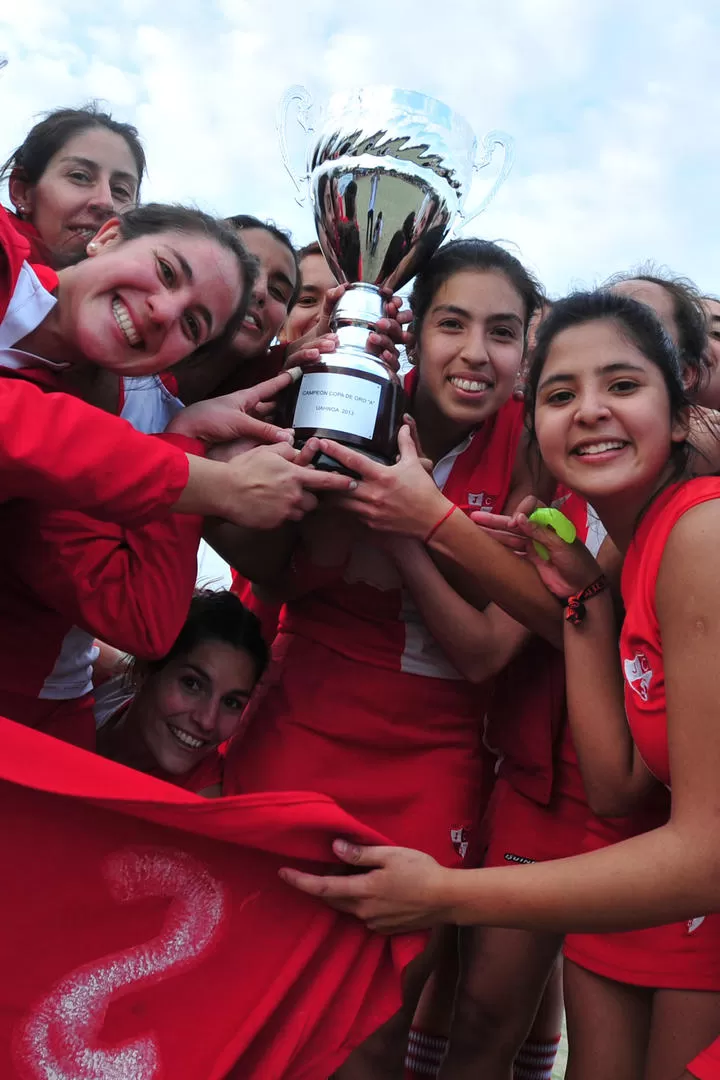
pixel 388 172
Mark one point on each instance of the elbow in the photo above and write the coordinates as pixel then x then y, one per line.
pixel 612 804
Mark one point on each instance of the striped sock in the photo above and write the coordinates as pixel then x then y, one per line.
pixel 424 1054
pixel 536 1060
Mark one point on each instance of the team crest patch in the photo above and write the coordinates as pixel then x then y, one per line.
pixel 459 839
pixel 693 924
pixel 639 675
pixel 482 501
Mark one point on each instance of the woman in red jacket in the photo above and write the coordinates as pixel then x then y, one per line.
pixel 75 169
pixel 611 418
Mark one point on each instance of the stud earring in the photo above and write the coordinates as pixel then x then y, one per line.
pixel 92 246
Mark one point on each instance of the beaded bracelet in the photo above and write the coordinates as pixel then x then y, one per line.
pixel 575 609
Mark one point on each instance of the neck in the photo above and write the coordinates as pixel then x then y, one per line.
pixel 621 514
pixel 438 435
pixel 200 376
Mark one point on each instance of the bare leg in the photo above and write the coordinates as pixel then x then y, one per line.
pixel 503 976
pixel 382 1055
pixel 536 1056
pixel 683 1023
pixel 608 1026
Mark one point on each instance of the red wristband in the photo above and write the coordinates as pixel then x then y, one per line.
pixel 575 611
pixel 437 524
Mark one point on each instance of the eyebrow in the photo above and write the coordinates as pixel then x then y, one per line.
pixel 606 369
pixel 187 271
pixel 238 692
pixel 502 316
pixel 93 166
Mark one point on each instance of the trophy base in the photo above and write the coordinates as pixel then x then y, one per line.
pixel 360 407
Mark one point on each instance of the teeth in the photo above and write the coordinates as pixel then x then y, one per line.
pixel 253 321
pixel 471 385
pixel 599 448
pixel 185 739
pixel 122 318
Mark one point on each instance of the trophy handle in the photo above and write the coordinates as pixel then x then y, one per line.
pixel 491 140
pixel 303 98
pixel 3 61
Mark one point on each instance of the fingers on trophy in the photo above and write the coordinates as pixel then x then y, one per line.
pixel 388 172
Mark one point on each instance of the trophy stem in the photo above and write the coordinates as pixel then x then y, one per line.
pixel 355 314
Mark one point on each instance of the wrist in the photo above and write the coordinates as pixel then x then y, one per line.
pixel 576 605
pixel 432 519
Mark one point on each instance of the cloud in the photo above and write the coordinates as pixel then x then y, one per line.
pixel 613 107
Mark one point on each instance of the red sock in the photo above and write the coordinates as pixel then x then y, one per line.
pixel 536 1060
pixel 424 1055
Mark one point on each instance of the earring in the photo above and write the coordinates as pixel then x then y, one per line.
pixel 92 246
pixel 20 210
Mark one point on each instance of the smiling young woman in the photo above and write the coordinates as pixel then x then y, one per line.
pixel 611 417
pixel 184 706
pixel 75 169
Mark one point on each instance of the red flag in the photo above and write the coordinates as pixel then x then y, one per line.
pixel 147 936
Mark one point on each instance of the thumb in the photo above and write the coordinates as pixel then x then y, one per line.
pixel 357 855
pixel 406 444
pixel 330 300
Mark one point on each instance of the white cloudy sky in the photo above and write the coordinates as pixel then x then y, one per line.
pixel 614 106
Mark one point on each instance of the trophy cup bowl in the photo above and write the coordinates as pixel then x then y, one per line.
pixel 388 172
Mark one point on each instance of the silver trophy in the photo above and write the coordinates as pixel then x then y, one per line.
pixel 388 173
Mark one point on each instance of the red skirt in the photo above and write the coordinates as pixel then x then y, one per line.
pixel 403 753
pixel 679 956
pixel 706 1066
pixel 519 830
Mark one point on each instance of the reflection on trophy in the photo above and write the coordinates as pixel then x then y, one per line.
pixel 388 172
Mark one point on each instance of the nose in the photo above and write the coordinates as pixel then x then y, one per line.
pixel 101 200
pixel 260 289
pixel 590 408
pixel 205 717
pixel 165 307
pixel 474 351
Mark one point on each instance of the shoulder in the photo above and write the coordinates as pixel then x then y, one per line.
pixel 689 577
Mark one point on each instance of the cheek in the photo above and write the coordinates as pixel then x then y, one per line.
pixel 551 434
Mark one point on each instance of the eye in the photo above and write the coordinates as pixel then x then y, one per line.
pixel 450 324
pixel 234 704
pixel 624 386
pixel 307 301
pixel 80 175
pixel 192 325
pixel 190 682
pixel 123 195
pixel 559 397
pixel 280 294
pixel 167 273
pixel 508 333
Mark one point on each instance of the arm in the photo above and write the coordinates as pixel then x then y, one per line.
pixel 478 643
pixel 616 778
pixel 403 499
pixel 663 876
pixel 60 451
pixel 130 588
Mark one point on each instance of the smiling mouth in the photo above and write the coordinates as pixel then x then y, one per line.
pixel 188 742
pixel 122 318
pixel 593 449
pixel 252 322
pixel 470 386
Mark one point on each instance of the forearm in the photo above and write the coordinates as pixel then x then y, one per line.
pixel 660 877
pixel 479 567
pixel 614 775
pixel 476 643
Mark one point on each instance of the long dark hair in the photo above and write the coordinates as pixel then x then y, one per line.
pixel 471 254
pixel 639 324
pixel 50 134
